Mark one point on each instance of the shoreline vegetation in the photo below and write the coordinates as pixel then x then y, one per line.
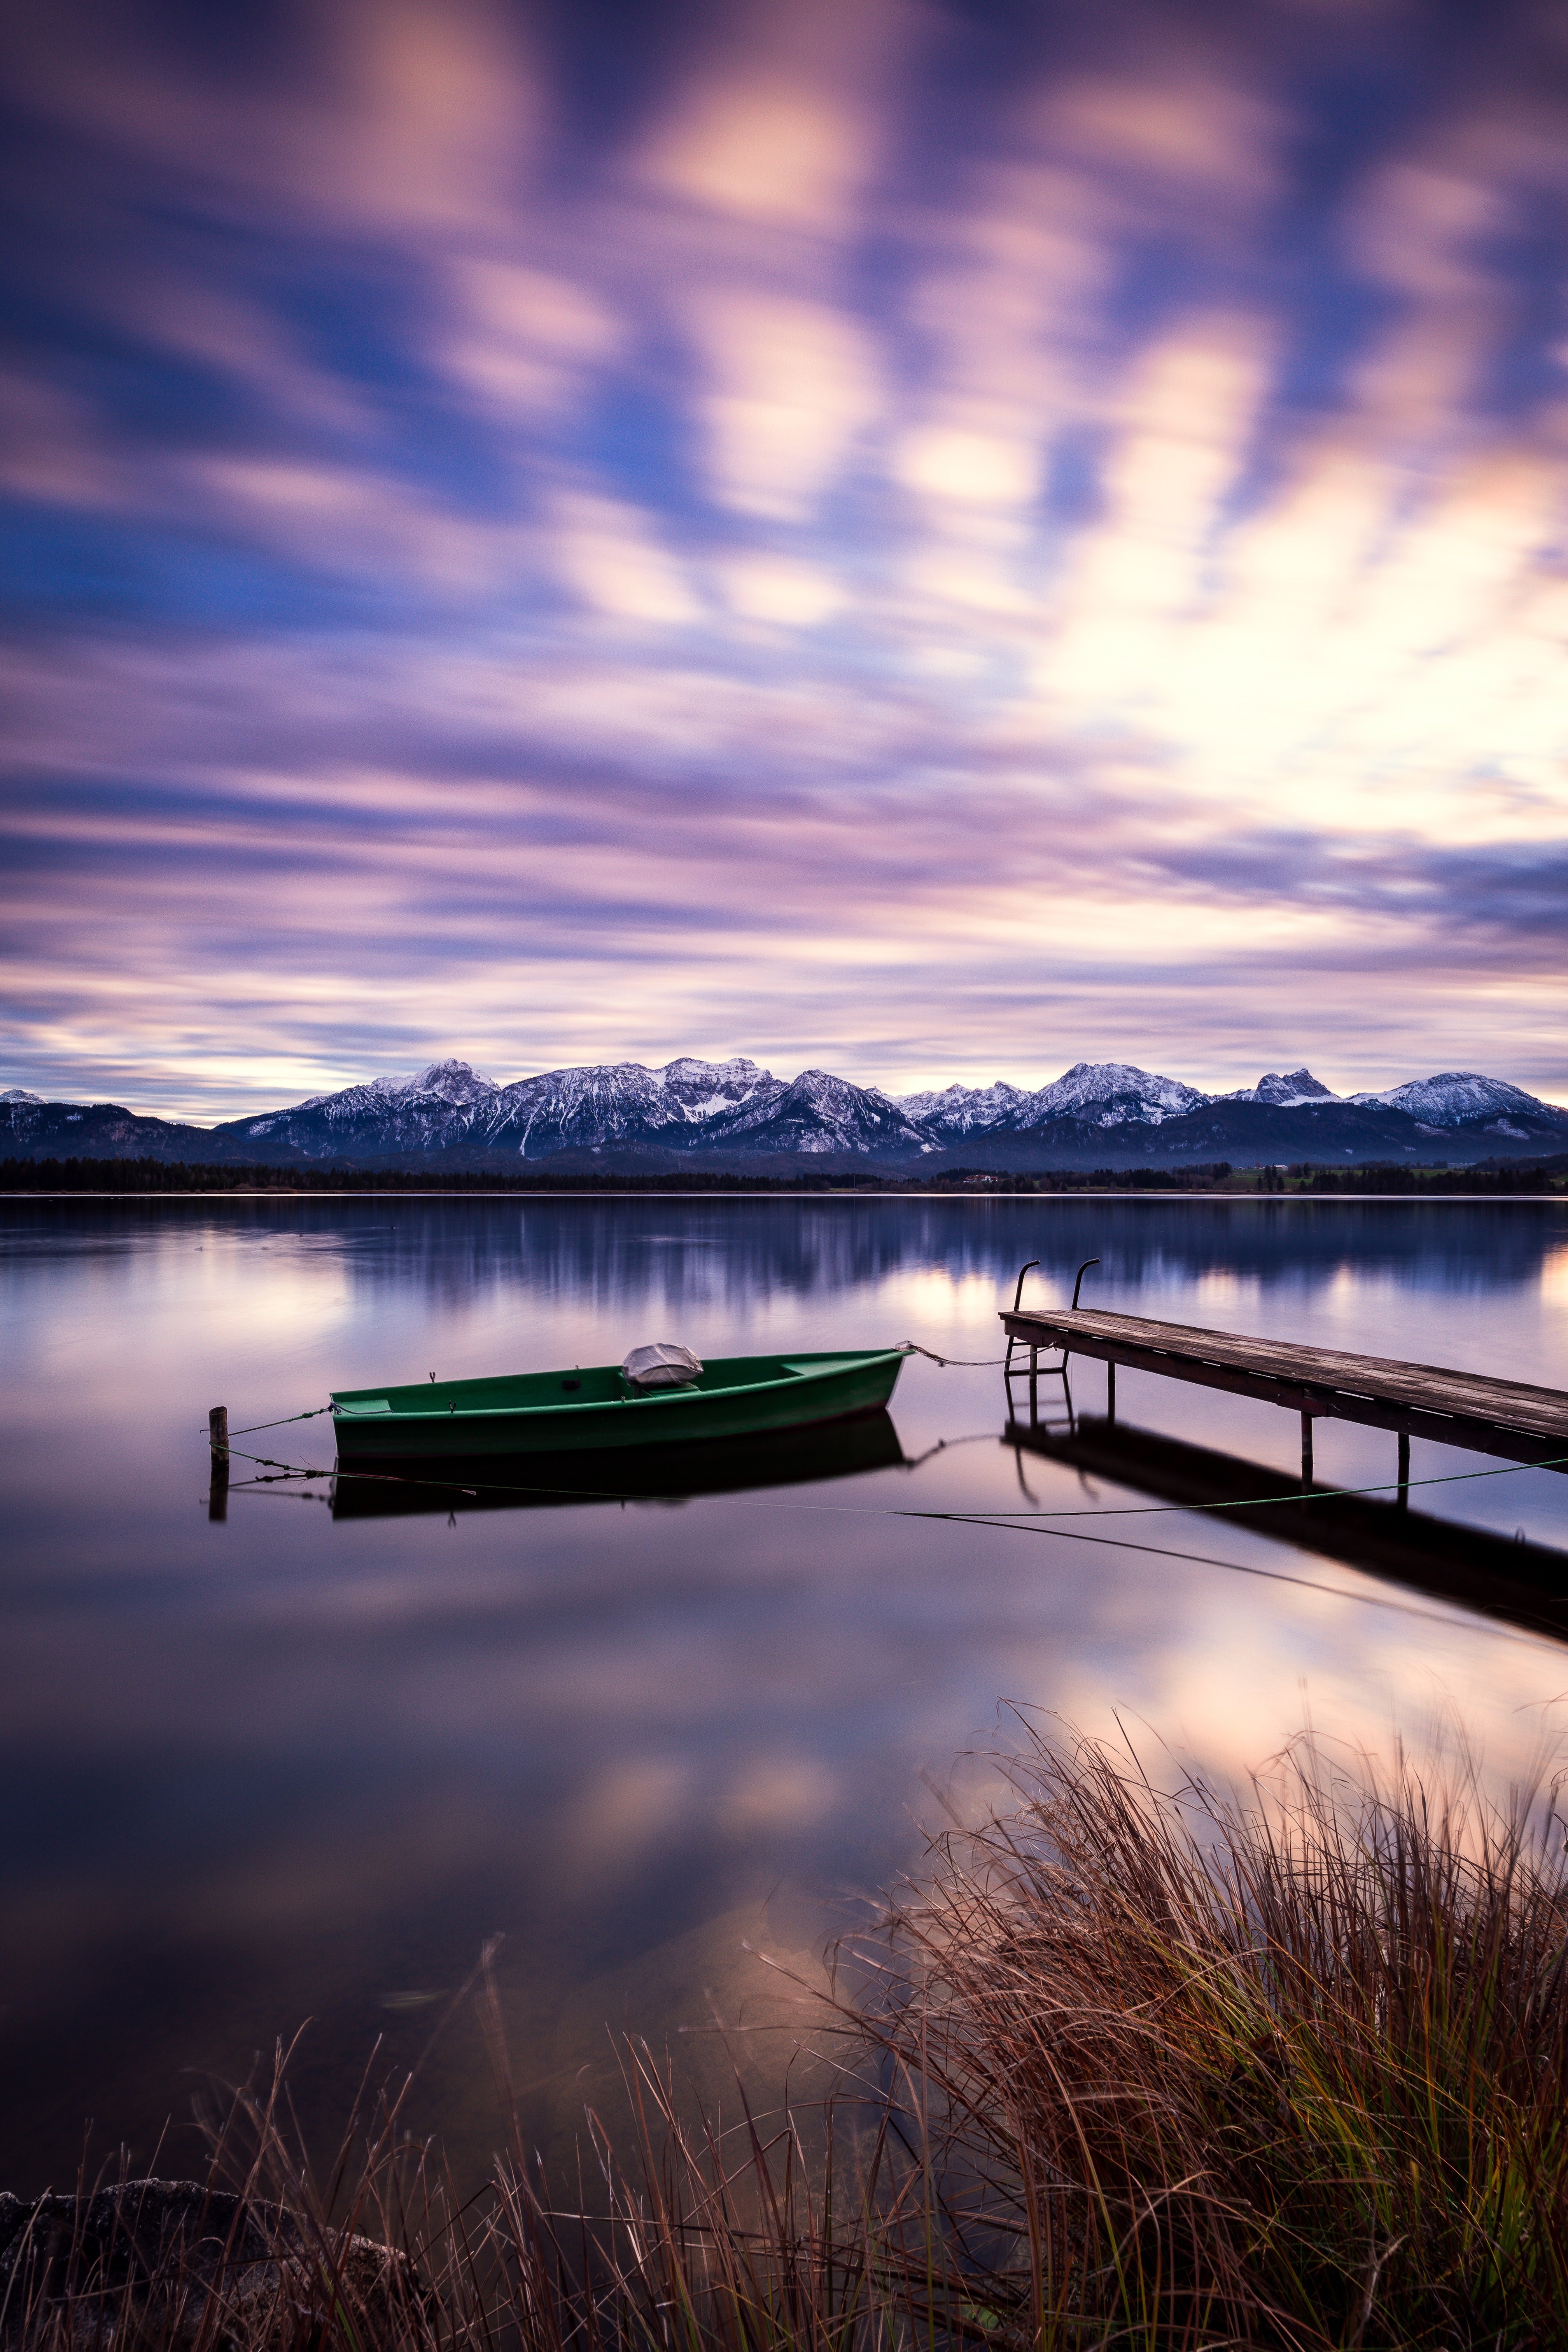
pixel 1544 1179
pixel 1140 2062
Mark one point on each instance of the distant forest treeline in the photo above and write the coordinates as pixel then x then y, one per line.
pixel 143 1176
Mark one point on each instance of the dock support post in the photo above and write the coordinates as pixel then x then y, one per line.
pixel 1034 1386
pixel 1111 1392
pixel 1305 1449
pixel 217 1439
pixel 1404 1497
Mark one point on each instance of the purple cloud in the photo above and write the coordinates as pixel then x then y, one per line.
pixel 921 542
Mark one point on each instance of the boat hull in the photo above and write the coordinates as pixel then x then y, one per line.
pixel 590 1411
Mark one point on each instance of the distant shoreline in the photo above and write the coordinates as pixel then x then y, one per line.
pixel 141 1176
pixel 758 1191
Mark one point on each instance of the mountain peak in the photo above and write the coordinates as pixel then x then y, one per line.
pixel 1455 1095
pixel 965 1110
pixel 1283 1093
pixel 740 1066
pixel 1114 1094
pixel 452 1080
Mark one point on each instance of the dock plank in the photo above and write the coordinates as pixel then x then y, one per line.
pixel 1508 1417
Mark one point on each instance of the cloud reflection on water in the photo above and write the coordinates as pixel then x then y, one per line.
pixel 273 1767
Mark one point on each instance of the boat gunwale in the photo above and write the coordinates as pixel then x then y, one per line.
pixel 831 1364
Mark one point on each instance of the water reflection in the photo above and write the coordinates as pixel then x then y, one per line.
pixel 301 1762
pixel 734 1465
pixel 730 1254
pixel 1505 1576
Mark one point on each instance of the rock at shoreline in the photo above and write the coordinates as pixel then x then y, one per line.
pixel 171 2251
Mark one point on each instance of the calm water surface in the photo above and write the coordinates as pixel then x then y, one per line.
pixel 297 1766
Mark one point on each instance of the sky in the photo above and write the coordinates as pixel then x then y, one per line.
pixel 934 538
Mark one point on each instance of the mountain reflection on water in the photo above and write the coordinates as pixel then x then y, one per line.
pixel 691 1256
pixel 297 1766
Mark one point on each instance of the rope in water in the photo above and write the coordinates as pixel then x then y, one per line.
pixel 315 1412
pixel 970 1363
pixel 964 1518
pixel 1295 1495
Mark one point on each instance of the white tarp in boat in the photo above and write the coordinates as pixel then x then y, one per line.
pixel 661 1366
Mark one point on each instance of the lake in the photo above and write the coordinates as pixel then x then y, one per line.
pixel 299 1762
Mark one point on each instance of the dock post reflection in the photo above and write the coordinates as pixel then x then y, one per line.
pixel 1524 1583
pixel 217 1441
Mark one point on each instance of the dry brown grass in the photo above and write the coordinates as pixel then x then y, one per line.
pixel 1135 2065
pixel 1284 2068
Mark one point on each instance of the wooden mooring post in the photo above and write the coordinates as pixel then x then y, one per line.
pixel 217 1439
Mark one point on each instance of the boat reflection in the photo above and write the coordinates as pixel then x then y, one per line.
pixel 1526 1583
pixel 787 1457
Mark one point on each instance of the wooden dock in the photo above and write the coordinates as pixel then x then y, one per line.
pixel 1465 1409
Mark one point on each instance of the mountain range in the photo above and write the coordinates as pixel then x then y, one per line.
pixel 624 1117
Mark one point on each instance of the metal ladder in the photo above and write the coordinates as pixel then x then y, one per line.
pixel 1034 1372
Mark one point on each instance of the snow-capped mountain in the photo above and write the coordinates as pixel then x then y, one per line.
pixel 452 1104
pixel 1093 1094
pixel 1455 1098
pixel 735 1114
pixel 1296 1087
pixel 1113 1094
pixel 968 1110
pixel 820 1113
pixel 430 1111
pixel 590 1109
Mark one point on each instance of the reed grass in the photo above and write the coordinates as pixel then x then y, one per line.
pixel 1140 2062
pixel 1287 2068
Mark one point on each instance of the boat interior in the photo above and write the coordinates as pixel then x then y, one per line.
pixel 583 1384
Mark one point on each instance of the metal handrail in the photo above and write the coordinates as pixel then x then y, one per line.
pixel 1077 1285
pixel 1055 1372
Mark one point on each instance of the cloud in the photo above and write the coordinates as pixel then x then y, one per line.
pixel 774 588
pixel 525 337
pixel 781 129
pixel 51 447
pixel 393 118
pixel 1188 126
pixel 907 538
pixel 610 555
pixel 967 464
pixel 1132 600
pixel 790 387
pixel 765 150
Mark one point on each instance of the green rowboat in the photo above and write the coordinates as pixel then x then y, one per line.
pixel 597 1409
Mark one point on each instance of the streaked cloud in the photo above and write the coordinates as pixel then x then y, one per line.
pixel 897 538
pixel 790 386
